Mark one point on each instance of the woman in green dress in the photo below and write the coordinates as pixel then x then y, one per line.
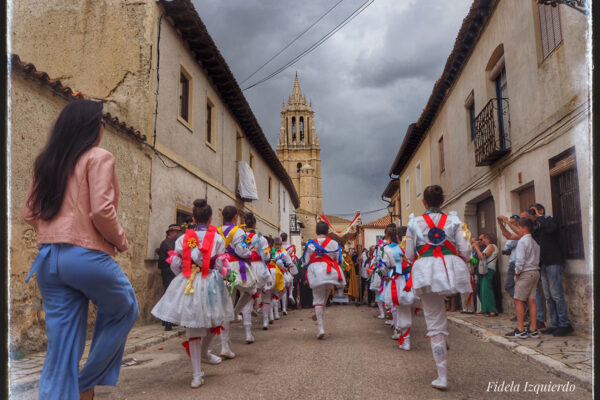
pixel 487 257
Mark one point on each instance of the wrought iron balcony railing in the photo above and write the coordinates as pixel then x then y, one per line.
pixel 492 132
pixel 294 228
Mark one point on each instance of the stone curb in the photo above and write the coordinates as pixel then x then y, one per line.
pixel 541 360
pixel 32 381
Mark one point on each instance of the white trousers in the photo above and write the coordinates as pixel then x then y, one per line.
pixel 434 309
pixel 321 294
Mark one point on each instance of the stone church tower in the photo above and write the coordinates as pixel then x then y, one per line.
pixel 299 152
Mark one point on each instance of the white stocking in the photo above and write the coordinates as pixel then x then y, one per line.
pixel 380 305
pixel 267 310
pixel 394 317
pixel 284 300
pixel 196 356
pixel 245 298
pixel 206 344
pixel 438 348
pixel 319 312
pixel 225 337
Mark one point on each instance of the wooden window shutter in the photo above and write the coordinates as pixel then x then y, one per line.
pixel 550 29
pixel 556 28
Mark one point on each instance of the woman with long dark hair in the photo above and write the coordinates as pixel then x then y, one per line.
pixel 72 204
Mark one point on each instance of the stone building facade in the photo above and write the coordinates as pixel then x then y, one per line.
pixel 154 65
pixel 508 124
pixel 299 151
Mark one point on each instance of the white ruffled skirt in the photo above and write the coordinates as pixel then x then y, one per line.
pixel 262 274
pixel 317 276
pixel 249 284
pixel 210 305
pixel 404 298
pixel 375 284
pixel 430 276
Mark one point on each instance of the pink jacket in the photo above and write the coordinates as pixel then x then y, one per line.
pixel 88 216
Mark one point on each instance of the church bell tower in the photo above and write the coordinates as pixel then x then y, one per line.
pixel 298 149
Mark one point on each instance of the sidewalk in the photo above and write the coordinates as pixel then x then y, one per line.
pixel 569 357
pixel 25 373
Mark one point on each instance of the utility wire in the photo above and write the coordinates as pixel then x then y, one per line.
pixel 361 213
pixel 292 42
pixel 316 44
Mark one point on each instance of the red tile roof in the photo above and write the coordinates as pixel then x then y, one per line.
pixel 30 72
pixel 379 223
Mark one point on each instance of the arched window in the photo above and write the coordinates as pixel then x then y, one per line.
pixel 302 129
pixel 293 128
pixel 287 133
pixel 298 166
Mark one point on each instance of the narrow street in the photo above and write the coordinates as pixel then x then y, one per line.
pixel 357 360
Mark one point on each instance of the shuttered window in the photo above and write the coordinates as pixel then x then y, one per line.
pixel 551 33
pixel 566 206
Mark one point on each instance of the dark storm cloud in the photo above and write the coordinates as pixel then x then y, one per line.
pixel 367 83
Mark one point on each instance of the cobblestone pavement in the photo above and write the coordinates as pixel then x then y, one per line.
pixel 357 360
pixel 569 356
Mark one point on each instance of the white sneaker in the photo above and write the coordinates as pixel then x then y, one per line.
pixel 396 335
pixel 249 339
pixel 440 383
pixel 227 353
pixel 211 359
pixel 388 322
pixel 285 313
pixel 291 299
pixel 321 334
pixel 196 382
pixel 381 316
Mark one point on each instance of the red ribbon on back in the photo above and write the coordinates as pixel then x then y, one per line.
pixel 206 249
pixel 394 293
pixel 187 252
pixel 186 344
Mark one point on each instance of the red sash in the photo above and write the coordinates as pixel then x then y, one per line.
pixel 190 240
pixel 254 256
pixel 206 249
pixel 437 250
pixel 327 260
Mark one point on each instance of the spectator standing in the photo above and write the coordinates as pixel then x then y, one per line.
pixel 527 277
pixel 163 253
pixel 476 277
pixel 487 258
pixel 552 262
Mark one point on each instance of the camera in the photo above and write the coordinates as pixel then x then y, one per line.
pixel 532 211
pixel 506 252
pixel 500 219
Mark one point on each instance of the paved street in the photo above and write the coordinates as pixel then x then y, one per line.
pixel 357 360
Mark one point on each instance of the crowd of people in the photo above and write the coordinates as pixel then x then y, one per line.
pixel 217 275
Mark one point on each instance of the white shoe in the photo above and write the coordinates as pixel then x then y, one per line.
pixel 381 316
pixel 196 382
pixel 406 344
pixel 396 335
pixel 211 359
pixel 321 334
pixel 388 322
pixel 227 353
pixel 285 313
pixel 249 339
pixel 292 299
pixel 440 383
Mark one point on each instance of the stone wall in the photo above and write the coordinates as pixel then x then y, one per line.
pixel 34 109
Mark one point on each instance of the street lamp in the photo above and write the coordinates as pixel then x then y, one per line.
pixel 391 208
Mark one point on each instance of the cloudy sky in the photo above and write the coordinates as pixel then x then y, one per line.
pixel 367 83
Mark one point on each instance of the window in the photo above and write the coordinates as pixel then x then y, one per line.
pixel 566 208
pixel 550 29
pixel 502 96
pixel 270 189
pixel 293 129
pixel 183 217
pixel 441 148
pixel 472 120
pixel 251 161
pixel 302 129
pixel 298 167
pixel 407 191
pixel 283 202
pixel 418 178
pixel 210 123
pixel 185 97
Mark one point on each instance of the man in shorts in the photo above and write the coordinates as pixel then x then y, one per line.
pixel 527 275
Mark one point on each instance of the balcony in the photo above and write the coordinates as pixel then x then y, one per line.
pixel 492 132
pixel 294 224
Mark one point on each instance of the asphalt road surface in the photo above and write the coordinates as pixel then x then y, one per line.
pixel 357 360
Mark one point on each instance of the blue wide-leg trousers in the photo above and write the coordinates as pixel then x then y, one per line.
pixel 69 277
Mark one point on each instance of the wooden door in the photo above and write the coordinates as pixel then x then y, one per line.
pixel 526 198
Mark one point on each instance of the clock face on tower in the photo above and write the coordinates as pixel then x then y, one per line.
pixel 298 149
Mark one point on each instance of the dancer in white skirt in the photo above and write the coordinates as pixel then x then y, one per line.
pixel 441 244
pixel 287 267
pixel 275 284
pixel 259 256
pixel 377 280
pixel 398 294
pixel 289 287
pixel 238 255
pixel 323 256
pixel 197 298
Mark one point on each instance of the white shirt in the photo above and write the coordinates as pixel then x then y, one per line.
pixel 528 255
pixel 364 265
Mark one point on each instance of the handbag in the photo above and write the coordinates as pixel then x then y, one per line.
pixel 483 265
